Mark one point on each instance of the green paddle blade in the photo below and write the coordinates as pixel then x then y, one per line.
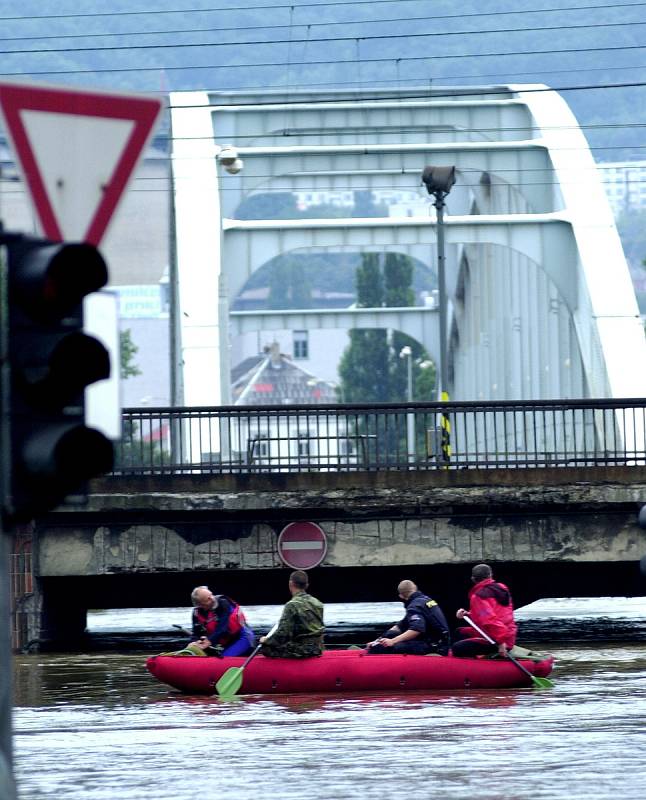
pixel 230 682
pixel 542 683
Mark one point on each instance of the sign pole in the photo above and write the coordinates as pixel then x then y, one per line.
pixel 77 151
pixel 7 786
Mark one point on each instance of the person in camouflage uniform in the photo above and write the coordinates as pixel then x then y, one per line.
pixel 300 629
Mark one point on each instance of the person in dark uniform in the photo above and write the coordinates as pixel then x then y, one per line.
pixel 423 630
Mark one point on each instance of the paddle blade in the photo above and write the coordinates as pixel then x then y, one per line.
pixel 542 683
pixel 230 682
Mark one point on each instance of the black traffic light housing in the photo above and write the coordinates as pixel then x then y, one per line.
pixel 48 451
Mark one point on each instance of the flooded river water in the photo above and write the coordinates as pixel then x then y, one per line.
pixel 97 726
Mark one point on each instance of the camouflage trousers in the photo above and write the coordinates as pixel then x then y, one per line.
pixel 292 649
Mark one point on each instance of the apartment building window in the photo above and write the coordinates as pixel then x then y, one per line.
pixel 301 344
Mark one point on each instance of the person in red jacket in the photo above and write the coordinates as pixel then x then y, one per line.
pixel 492 609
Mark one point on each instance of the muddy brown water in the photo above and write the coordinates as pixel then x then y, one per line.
pixel 96 726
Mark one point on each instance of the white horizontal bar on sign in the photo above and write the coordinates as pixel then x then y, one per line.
pixel 301 545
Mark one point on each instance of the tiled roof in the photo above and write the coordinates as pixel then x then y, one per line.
pixel 276 380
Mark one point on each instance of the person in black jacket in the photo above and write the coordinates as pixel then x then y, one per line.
pixel 423 630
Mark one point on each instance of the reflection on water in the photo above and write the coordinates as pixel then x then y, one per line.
pixel 98 726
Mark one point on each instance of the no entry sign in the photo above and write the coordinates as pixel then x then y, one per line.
pixel 302 545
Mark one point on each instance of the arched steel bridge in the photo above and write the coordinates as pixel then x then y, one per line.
pixel 540 300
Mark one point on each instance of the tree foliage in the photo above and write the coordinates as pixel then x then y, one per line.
pixel 371 369
pixel 128 349
pixel 363 368
pixel 134 450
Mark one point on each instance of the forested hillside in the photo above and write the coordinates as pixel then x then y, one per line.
pixel 223 44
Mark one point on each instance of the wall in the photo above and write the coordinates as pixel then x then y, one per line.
pixel 148 542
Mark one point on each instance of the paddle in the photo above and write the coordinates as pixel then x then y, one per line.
pixel 538 683
pixel 231 681
pixel 209 651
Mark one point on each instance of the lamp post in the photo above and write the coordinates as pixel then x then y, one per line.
pixel 227 157
pixel 407 353
pixel 439 181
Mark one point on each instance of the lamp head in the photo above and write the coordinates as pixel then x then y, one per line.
pixel 438 179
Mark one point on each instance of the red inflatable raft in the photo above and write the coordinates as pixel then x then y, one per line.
pixel 345 671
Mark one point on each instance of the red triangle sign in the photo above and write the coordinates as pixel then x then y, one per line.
pixel 77 151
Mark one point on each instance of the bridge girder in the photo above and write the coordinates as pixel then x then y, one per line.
pixel 530 295
pixel 327 168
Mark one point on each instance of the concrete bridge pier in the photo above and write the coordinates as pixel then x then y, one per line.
pixel 65 601
pixel 63 618
pixel 148 542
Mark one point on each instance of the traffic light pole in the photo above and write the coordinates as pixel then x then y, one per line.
pixel 47 361
pixel 7 786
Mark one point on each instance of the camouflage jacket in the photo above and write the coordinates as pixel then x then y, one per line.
pixel 300 629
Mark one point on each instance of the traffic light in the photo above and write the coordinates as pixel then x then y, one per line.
pixel 48 451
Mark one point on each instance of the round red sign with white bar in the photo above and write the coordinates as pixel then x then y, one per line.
pixel 302 545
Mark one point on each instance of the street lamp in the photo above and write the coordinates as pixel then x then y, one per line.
pixel 407 353
pixel 438 181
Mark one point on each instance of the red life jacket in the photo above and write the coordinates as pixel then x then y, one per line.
pixel 235 622
pixel 491 608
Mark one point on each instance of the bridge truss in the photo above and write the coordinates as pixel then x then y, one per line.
pixel 540 299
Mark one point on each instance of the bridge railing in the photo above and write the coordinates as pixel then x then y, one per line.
pixel 378 437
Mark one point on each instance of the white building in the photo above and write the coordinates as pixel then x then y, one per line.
pixel 625 184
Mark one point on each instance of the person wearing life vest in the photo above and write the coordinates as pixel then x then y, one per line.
pixel 219 622
pixel 492 609
pixel 423 630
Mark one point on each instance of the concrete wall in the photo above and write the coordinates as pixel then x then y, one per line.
pixel 146 542
pixel 194 523
pixel 459 538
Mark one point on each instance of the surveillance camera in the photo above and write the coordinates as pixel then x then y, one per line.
pixel 235 166
pixel 227 155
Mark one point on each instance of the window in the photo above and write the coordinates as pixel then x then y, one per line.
pixel 301 345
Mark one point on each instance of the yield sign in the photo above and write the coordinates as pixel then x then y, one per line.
pixel 77 151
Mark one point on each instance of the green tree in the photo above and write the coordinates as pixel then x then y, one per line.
pixel 363 368
pixel 132 450
pixel 398 284
pixel 128 349
pixel 370 368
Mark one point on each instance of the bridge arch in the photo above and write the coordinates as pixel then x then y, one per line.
pixel 328 169
pixel 534 146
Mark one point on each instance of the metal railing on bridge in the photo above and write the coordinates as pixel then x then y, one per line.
pixel 379 437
